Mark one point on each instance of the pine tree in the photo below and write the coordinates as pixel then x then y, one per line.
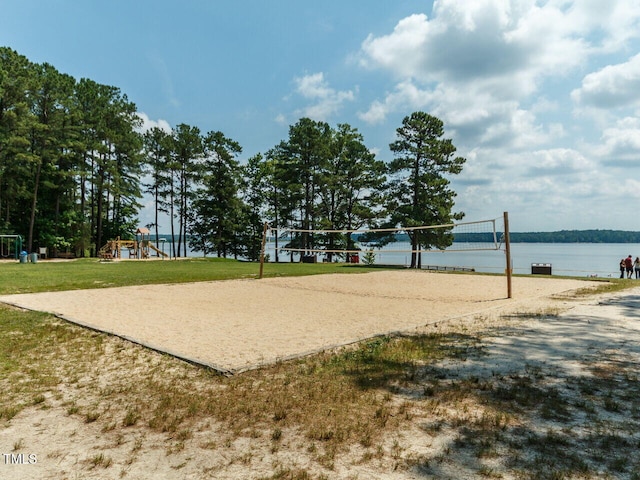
pixel 419 187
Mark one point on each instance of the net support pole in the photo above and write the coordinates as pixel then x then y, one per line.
pixel 262 247
pixel 507 251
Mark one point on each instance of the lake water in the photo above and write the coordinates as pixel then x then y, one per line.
pixel 571 259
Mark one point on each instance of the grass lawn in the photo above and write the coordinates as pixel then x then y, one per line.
pixel 90 273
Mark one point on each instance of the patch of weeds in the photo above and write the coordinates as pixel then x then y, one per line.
pixel 382 414
pixel 611 404
pixel 276 435
pixel 33 345
pixel 91 416
pixel 289 474
pixel 131 418
pixel 328 458
pixel 100 460
pixel 619 464
pixel 9 411
pixel 119 440
pixel 279 414
pixel 607 443
pixel 322 433
pixel 521 392
pixel 137 445
pixel 396 450
pixel 541 313
pixel 487 449
pixel 109 427
pixel 183 435
pixel 488 472
pixel 585 405
pixel 493 421
pixel 366 440
pixel 549 442
pixel 72 409
pixel 552 455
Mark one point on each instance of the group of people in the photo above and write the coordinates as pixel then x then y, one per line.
pixel 629 265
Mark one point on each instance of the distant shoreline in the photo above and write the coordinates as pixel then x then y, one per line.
pixel 576 236
pixel 560 236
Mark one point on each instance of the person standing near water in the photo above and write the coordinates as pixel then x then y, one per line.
pixel 622 268
pixel 636 267
pixel 628 264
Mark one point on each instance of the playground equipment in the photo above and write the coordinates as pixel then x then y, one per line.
pixel 10 246
pixel 140 248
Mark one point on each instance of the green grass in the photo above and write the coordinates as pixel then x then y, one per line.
pixel 90 273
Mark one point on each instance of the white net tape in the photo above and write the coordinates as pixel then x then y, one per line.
pixel 467 236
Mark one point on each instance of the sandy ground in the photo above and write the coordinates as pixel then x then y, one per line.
pixel 235 325
pixel 242 323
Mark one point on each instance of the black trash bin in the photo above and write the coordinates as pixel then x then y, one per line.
pixel 309 259
pixel 540 269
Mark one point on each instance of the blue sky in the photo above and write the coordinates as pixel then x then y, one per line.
pixel 541 97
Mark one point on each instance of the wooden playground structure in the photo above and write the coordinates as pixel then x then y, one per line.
pixel 140 248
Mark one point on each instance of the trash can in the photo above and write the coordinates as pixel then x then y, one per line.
pixel 540 269
pixel 33 257
pixel 23 257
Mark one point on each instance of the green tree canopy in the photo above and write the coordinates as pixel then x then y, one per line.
pixel 419 192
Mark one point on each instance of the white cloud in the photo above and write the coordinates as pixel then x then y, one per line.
pixel 560 161
pixel 484 40
pixel 406 95
pixel 148 124
pixel 500 74
pixel 327 101
pixel 499 49
pixel 620 143
pixel 617 24
pixel 399 51
pixel 543 105
pixel 612 86
pixel 377 112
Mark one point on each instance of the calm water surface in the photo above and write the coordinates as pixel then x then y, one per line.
pixel 571 259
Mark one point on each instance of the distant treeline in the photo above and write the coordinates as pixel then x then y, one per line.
pixel 576 236
pixel 562 236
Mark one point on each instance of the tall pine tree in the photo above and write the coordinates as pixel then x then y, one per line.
pixel 419 187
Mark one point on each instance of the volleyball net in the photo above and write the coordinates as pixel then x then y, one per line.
pixel 339 243
pixel 307 245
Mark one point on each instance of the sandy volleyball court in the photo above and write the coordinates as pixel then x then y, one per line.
pixel 238 324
